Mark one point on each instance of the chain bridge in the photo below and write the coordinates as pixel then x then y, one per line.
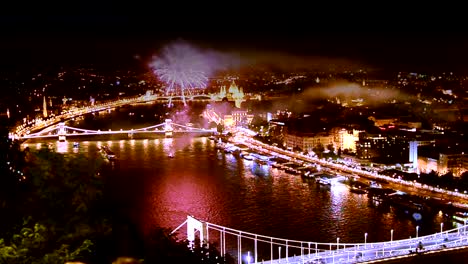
pixel 63 131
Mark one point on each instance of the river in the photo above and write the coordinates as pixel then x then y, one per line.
pixel 154 190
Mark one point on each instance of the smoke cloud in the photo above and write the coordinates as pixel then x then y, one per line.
pixel 347 90
pixel 211 61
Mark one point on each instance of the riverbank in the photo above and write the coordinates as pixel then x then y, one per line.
pixel 458 199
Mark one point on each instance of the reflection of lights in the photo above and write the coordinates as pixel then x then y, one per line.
pixel 85 142
pixel 337 195
pixel 259 169
pixel 338 189
pixel 145 143
pixel 109 142
pixel 132 142
pixel 62 147
pixel 168 144
pixel 38 145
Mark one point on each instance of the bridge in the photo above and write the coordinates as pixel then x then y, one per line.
pixel 24 130
pixel 63 131
pixel 254 248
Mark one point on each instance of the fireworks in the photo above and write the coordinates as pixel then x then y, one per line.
pixel 183 68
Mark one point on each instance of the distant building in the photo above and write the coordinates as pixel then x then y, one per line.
pixel 442 163
pixel 237 118
pixel 269 116
pixel 383 148
pixel 370 146
pixel 382 121
pixel 345 139
pixel 308 141
pixel 413 154
pixel 233 93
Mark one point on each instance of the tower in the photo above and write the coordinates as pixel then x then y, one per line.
pixel 222 92
pixel 44 108
pixel 168 128
pixel 413 154
pixel 62 132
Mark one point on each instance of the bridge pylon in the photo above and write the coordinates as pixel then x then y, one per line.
pixel 168 128
pixel 62 132
pixel 194 225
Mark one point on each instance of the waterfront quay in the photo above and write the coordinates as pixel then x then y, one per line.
pixel 457 199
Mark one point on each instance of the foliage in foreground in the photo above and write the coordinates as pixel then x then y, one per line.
pixel 57 214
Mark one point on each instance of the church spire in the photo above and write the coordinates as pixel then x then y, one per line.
pixel 44 108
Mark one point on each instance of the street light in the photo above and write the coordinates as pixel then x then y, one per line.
pixel 337 243
pixel 417 229
pixel 248 258
pixel 391 235
pixel 279 252
pixel 441 227
pixel 365 240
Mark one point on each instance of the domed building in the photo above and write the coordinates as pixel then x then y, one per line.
pixel 234 93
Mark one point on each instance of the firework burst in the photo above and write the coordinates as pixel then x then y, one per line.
pixel 183 68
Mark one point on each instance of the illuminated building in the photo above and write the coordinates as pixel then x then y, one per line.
pixel 378 122
pixel 238 118
pixel 346 139
pixel 233 93
pixel 413 154
pixel 443 163
pixel 308 141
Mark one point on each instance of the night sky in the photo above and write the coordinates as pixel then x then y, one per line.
pixel 105 38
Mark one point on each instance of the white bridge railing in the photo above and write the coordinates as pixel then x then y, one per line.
pixel 248 247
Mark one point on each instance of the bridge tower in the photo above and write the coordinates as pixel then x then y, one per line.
pixel 194 225
pixel 62 132
pixel 168 128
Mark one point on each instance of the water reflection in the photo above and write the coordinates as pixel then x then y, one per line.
pixel 62 147
pixel 200 180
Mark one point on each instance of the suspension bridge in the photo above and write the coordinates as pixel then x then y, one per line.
pixel 248 247
pixel 62 131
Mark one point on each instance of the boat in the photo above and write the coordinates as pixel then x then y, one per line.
pixel 276 165
pixel 107 153
pixel 323 181
pixel 248 157
pixel 357 190
pixel 291 171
